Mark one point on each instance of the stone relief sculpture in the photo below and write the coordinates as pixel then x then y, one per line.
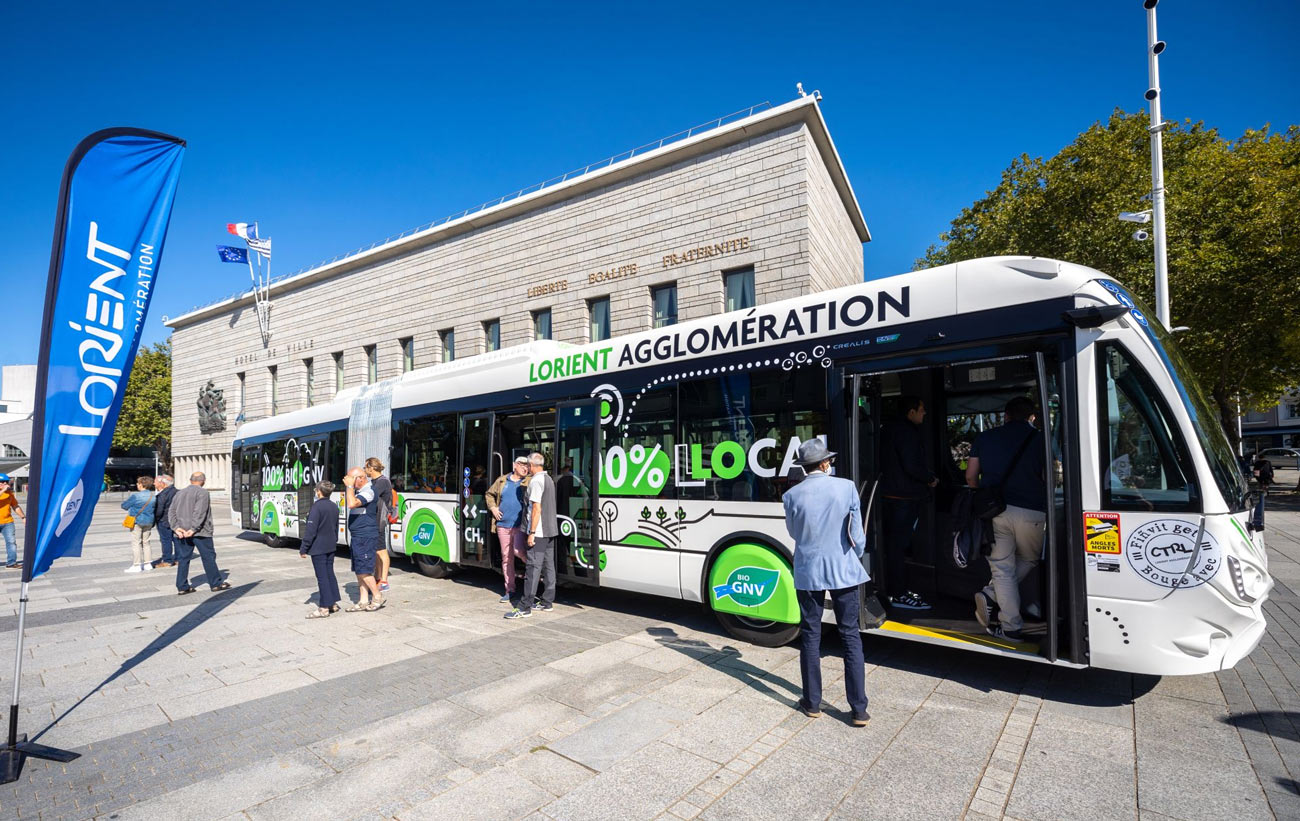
pixel 212 409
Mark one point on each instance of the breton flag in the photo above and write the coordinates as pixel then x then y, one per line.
pixel 244 230
pixel 261 246
pixel 230 253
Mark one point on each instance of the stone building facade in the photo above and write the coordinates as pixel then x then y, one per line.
pixel 765 194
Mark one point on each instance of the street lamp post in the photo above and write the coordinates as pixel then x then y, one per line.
pixel 1156 129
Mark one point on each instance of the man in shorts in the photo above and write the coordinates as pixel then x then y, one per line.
pixel 8 509
pixel 364 529
pixel 383 489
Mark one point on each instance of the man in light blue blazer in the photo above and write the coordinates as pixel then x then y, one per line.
pixel 823 516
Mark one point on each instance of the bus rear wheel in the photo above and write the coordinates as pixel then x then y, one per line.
pixel 277 541
pixel 431 566
pixel 757 631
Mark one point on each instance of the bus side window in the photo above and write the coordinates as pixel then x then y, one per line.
pixel 1144 462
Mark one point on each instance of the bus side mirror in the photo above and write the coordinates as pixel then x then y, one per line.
pixel 1094 316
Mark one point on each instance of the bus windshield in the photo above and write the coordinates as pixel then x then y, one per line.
pixel 1209 430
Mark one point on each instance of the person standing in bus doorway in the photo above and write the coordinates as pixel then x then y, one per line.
pixel 320 541
pixel 8 508
pixel 823 516
pixel 385 507
pixel 543 525
pixel 905 483
pixel 162 503
pixel 507 499
pixel 363 524
pixel 1010 457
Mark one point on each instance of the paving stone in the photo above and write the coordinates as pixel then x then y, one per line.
pixel 1056 784
pixel 499 793
pixel 727 728
pixel 553 773
pixel 639 786
pixel 792 783
pixel 603 743
pixel 1225 788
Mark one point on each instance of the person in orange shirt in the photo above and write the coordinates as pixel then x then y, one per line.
pixel 8 507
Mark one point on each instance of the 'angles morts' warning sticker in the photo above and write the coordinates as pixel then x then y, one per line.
pixel 1101 533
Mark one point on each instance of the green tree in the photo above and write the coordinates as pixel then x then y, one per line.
pixel 1234 243
pixel 146 418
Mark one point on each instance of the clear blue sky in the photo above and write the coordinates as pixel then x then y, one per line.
pixel 338 124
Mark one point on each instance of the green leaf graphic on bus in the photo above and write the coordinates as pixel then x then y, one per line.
pixel 270 519
pixel 636 471
pixel 748 586
pixel 423 535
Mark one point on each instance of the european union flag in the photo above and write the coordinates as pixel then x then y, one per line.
pixel 229 253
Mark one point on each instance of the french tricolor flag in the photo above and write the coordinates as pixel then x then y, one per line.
pixel 247 230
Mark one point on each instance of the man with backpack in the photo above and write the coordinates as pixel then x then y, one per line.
pixel 1009 460
pixel 385 514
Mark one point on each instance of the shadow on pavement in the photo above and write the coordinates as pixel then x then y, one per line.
pixel 201 613
pixel 1275 723
pixel 751 676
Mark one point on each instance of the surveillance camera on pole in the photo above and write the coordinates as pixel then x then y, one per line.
pixel 1141 236
pixel 1135 216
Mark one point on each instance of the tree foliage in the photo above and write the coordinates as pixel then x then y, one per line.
pixel 146 414
pixel 1233 237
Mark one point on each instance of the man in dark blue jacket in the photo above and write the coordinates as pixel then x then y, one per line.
pixel 320 541
pixel 162 503
pixel 905 483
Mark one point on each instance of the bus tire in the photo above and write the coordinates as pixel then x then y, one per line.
pixel 762 633
pixel 432 566
pixel 277 541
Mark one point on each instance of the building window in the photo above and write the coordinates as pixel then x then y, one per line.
pixel 448 338
pixel 599 309
pixel 664 298
pixel 14 452
pixel 492 334
pixel 408 354
pixel 338 371
pixel 542 324
pixel 243 395
pixel 311 389
pixel 275 389
pixel 740 289
pixel 372 365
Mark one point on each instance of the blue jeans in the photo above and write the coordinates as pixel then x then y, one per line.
pixel 11 546
pixel 165 536
pixel 845 603
pixel 208 555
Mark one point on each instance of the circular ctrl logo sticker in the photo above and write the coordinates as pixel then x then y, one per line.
pixel 1164 553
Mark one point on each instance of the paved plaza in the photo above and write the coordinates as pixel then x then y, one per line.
pixel 614 706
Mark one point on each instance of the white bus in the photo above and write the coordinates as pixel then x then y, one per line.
pixel 672 448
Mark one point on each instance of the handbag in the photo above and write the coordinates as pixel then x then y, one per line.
pixel 129 521
pixel 988 502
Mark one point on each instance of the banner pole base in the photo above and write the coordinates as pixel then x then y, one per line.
pixel 11 758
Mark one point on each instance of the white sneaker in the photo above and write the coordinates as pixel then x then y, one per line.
pixel 135 568
pixel 146 566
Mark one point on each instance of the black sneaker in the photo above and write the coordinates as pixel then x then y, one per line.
pixel 545 607
pixel 808 710
pixel 516 613
pixel 983 610
pixel 909 601
pixel 999 632
pixel 860 719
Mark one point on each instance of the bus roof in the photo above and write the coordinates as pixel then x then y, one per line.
pixel 960 288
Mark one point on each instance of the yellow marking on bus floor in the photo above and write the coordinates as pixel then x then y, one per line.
pixel 959 637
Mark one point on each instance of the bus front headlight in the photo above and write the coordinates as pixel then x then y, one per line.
pixel 1249 581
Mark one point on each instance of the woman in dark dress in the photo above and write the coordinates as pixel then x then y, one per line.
pixel 320 541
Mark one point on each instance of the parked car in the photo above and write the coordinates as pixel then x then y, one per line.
pixel 1282 458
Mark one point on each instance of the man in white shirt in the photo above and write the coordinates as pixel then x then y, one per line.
pixel 543 525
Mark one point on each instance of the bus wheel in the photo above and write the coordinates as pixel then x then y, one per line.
pixel 757 631
pixel 432 566
pixel 276 541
